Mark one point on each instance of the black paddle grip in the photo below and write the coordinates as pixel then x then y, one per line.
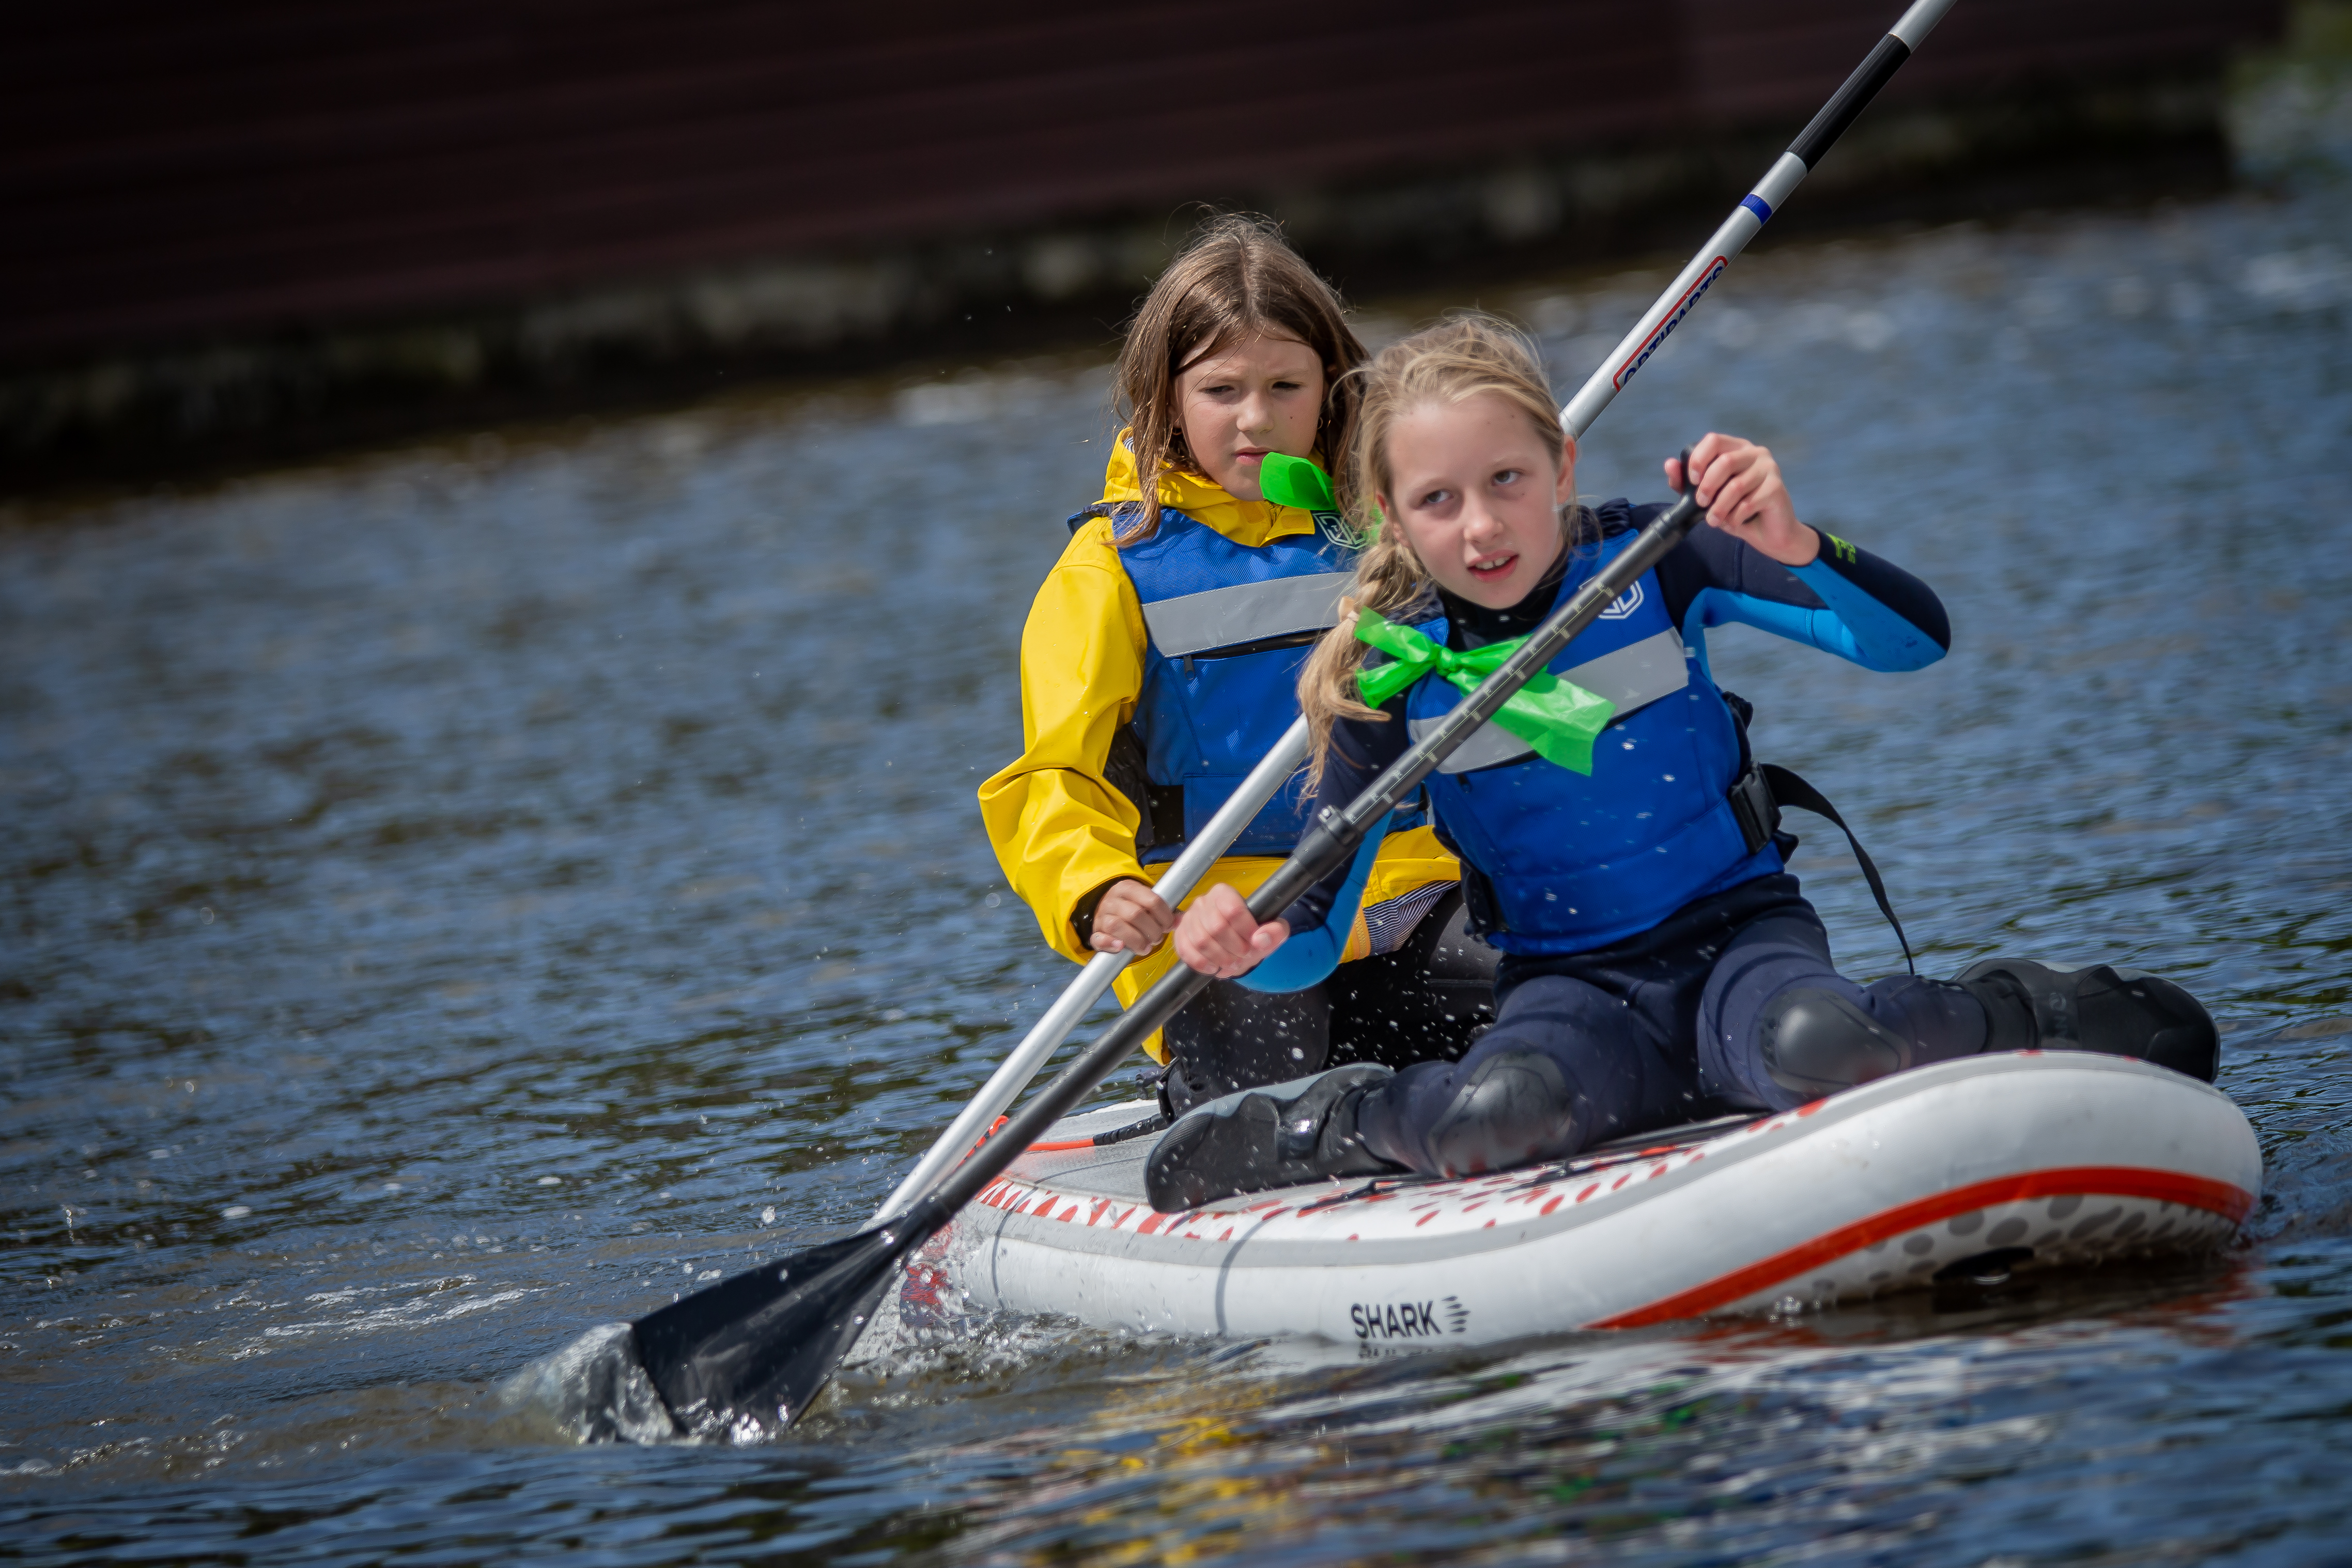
pixel 1846 105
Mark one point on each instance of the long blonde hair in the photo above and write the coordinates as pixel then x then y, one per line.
pixel 1237 280
pixel 1459 359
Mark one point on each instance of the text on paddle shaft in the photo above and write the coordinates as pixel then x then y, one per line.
pixel 1658 335
pixel 1409 1320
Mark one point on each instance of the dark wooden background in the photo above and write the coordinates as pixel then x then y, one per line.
pixel 174 171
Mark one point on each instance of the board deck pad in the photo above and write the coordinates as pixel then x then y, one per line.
pixel 1116 1172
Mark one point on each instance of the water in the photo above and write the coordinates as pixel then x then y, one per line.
pixel 460 896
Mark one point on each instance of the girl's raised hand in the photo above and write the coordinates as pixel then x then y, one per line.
pixel 1130 919
pixel 1218 935
pixel 1740 485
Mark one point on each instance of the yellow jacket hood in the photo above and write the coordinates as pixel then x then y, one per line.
pixel 1250 523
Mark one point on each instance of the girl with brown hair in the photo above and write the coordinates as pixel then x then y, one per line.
pixel 1160 662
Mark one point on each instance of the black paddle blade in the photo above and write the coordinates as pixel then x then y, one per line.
pixel 760 1346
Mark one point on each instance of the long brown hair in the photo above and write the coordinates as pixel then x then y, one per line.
pixel 1459 359
pixel 1236 279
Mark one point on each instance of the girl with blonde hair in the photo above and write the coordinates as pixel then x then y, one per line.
pixel 1618 842
pixel 1160 662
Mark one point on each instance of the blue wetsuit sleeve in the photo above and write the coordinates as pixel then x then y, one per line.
pixel 1310 955
pixel 1870 629
pixel 1846 601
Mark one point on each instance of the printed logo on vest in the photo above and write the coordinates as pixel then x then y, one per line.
pixel 1334 527
pixel 1624 604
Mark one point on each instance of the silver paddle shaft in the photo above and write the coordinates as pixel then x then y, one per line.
pixel 1275 769
pixel 1748 218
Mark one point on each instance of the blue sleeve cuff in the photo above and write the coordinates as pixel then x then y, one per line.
pixel 1310 957
pixel 1875 636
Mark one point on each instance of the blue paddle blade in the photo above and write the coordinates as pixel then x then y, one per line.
pixel 1294 482
pixel 760 1346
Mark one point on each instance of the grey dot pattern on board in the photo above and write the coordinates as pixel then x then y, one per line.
pixel 2112 1230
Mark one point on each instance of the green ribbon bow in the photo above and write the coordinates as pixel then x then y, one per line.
pixel 1559 718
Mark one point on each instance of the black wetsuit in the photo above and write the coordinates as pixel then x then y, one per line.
pixel 1663 1024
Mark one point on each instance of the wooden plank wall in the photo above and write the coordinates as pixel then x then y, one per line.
pixel 173 172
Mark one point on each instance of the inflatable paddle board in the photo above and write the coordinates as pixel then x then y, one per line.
pixel 1965 1170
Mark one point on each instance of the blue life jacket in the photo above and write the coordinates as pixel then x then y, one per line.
pixel 1228 628
pixel 1557 861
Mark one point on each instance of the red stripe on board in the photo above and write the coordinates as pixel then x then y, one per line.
pixel 2103 1181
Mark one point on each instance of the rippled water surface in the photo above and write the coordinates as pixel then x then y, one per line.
pixel 464 895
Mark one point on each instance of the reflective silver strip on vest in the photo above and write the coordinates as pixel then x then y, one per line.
pixel 1246 613
pixel 1630 678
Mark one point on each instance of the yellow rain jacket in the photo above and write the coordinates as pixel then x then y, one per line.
pixel 1060 830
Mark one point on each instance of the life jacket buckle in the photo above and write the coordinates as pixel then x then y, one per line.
pixel 1755 808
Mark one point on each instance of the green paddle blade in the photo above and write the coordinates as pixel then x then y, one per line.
pixel 1294 482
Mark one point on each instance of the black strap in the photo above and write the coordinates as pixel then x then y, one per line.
pixel 1788 790
pixel 1160 806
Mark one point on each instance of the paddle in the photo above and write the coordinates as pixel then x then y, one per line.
pixel 1754 210
pixel 758 1347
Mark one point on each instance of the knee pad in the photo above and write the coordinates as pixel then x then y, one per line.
pixel 1816 1043
pixel 1513 1107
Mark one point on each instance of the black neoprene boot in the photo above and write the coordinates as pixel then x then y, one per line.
pixel 2121 1012
pixel 1284 1135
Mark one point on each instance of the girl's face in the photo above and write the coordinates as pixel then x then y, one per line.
pixel 1478 492
pixel 1247 399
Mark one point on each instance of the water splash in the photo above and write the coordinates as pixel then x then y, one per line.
pixel 593 1390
